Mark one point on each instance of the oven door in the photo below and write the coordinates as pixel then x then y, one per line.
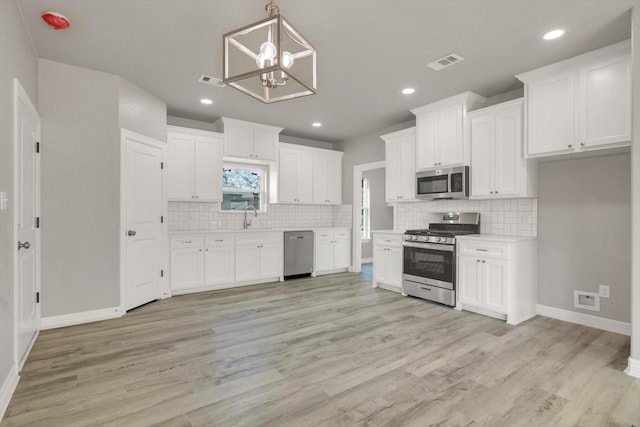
pixel 430 264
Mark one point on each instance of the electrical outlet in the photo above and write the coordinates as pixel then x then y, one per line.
pixel 603 291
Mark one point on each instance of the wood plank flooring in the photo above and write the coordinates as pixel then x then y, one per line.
pixel 325 351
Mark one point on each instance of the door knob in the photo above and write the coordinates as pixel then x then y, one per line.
pixel 131 233
pixel 25 245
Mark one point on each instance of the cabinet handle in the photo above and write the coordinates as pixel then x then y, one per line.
pixel 582 144
pixel 484 262
pixel 186 241
pixel 496 191
pixel 199 250
pixel 477 260
pixel 490 192
pixel 482 250
pixel 219 240
pixel 570 145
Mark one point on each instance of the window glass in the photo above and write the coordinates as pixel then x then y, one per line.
pixel 365 211
pixel 243 186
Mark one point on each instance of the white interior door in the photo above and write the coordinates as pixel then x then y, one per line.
pixel 27 134
pixel 143 210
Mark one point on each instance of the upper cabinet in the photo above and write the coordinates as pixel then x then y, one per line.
pixel 309 175
pixel 400 172
pixel 499 169
pixel 249 140
pixel 194 165
pixel 441 131
pixel 579 104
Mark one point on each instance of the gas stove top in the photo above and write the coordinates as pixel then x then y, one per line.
pixel 444 227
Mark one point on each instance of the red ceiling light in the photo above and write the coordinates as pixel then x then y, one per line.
pixel 56 20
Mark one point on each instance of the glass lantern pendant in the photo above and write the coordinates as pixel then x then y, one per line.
pixel 269 60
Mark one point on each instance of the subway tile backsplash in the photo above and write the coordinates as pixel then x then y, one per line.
pixel 505 217
pixel 196 216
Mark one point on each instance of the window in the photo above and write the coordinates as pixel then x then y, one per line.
pixel 365 210
pixel 243 186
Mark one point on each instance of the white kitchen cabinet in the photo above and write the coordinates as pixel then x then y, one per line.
pixel 295 176
pixel 327 177
pixel 187 263
pixel 249 140
pixel 332 251
pixel 497 276
pixel 499 169
pixel 441 131
pixel 387 261
pixel 219 261
pixel 259 256
pixel 400 172
pixel 580 104
pixel 194 165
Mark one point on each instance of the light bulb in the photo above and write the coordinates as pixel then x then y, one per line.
pixel 260 60
pixel 287 59
pixel 268 49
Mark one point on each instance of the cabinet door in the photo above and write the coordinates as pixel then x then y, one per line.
pixel 427 141
pixel 342 253
pixel 238 141
pixel 208 169
pixel 551 115
pixel 393 171
pixel 324 254
pixel 333 179
pixel 394 266
pixel 494 285
pixel 271 260
pixel 179 167
pixel 407 172
pixel 247 263
pixel 605 103
pixel 450 145
pixel 320 183
pixel 482 156
pixel 264 144
pixel 380 263
pixel 187 268
pixel 509 166
pixel 469 285
pixel 287 177
pixel 304 177
pixel 219 265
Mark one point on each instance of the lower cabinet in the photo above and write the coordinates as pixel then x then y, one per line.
pixel 219 261
pixel 497 276
pixel 387 261
pixel 259 256
pixel 332 251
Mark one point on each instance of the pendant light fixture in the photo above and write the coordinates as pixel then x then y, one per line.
pixel 269 60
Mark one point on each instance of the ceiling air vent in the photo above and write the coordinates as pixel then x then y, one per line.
pixel 445 61
pixel 213 81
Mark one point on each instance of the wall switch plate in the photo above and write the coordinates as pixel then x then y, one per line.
pixel 4 200
pixel 603 291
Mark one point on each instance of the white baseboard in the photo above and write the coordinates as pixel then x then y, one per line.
pixel 610 325
pixel 82 317
pixel 633 368
pixel 7 389
pixel 366 260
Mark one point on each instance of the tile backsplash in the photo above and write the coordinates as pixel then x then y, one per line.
pixel 196 216
pixel 506 217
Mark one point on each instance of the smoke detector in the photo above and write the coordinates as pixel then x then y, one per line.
pixel 445 61
pixel 210 80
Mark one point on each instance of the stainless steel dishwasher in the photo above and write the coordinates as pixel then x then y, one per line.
pixel 298 253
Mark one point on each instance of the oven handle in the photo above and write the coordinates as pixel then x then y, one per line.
pixel 435 247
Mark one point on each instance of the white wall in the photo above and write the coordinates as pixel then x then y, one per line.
pixel 141 111
pixel 584 239
pixel 17 59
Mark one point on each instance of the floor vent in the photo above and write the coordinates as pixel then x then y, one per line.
pixel 445 61
pixel 213 81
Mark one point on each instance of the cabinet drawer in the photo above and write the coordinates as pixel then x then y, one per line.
pixel 388 240
pixel 259 238
pixel 220 240
pixel 186 242
pixel 324 235
pixel 342 235
pixel 483 249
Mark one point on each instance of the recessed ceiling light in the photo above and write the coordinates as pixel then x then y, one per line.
pixel 408 91
pixel 553 34
pixel 206 101
pixel 316 124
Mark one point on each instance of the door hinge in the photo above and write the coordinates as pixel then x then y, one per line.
pixel 37 297
pixel 37 147
pixel 161 165
pixel 37 222
pixel 161 273
pixel 161 219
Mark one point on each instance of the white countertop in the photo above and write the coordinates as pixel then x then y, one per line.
pixel 253 230
pixel 494 238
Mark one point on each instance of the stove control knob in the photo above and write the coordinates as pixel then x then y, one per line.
pixel 414 237
pixel 437 239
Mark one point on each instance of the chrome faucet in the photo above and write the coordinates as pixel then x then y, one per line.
pixel 247 223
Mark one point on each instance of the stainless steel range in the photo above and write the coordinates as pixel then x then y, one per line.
pixel 429 256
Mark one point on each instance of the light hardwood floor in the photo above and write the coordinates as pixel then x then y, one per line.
pixel 324 351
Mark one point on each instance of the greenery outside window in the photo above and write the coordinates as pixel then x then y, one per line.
pixel 243 185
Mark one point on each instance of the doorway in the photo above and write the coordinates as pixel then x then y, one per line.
pixel 26 214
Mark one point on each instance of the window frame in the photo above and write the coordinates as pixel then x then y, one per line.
pixel 264 192
pixel 365 209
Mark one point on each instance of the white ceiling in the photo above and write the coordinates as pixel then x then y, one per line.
pixel 368 50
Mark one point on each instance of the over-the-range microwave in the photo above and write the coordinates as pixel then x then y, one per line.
pixel 449 183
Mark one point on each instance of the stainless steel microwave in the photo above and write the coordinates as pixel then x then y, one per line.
pixel 449 183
